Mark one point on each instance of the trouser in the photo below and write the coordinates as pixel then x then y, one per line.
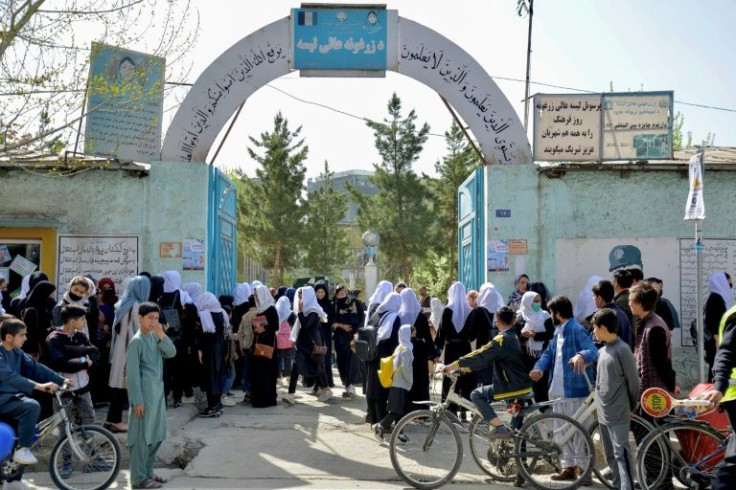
pixel 482 398
pixel 246 373
pixel 294 378
pixel 572 451
pixel 618 454
pixel 286 359
pixel 26 411
pixel 653 462
pixel 142 457
pixel 726 474
pixel 86 411
pixel 118 401
pixel 228 378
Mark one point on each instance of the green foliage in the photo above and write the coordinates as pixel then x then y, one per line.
pixel 325 241
pixel 432 272
pixel 271 206
pixel 399 210
pixel 677 123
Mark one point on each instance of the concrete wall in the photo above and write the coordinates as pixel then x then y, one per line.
pixel 571 220
pixel 168 205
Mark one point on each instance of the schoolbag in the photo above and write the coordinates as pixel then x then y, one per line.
pixel 386 371
pixel 283 340
pixel 365 345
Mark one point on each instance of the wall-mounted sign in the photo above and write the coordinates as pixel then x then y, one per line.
pixel 601 127
pixel 341 38
pixel 169 250
pixel 517 247
pixel 99 256
pixel 503 213
pixel 193 254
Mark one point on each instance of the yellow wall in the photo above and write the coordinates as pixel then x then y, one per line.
pixel 49 244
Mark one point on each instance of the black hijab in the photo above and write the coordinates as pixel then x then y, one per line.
pixel 157 289
pixel 39 295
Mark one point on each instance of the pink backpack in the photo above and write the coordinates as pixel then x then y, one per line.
pixel 282 338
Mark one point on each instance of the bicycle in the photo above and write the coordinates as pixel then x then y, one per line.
pixel 426 450
pixel 685 448
pixel 84 457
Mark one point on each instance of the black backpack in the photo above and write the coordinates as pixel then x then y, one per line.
pixel 367 341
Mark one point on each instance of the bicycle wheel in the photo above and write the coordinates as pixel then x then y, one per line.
pixel 425 449
pixel 98 468
pixel 602 472
pixel 549 442
pixel 494 457
pixel 675 449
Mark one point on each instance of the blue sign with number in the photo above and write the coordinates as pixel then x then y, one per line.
pixel 503 213
pixel 339 39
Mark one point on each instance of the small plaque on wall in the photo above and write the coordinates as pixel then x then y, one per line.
pixel 517 247
pixel 169 250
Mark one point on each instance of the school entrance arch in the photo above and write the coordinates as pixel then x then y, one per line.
pixel 411 49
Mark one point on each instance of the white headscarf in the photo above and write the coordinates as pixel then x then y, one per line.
pixel 435 315
pixel 718 283
pixel 489 298
pixel 457 302
pixel 585 304
pixel 410 307
pixel 25 287
pixel 263 298
pixel 194 290
pixel 254 284
pixel 241 294
pixel 172 282
pixel 283 308
pixel 533 320
pixel 208 305
pixel 382 289
pixel 92 290
pixel 309 302
pixel 404 343
pixel 390 306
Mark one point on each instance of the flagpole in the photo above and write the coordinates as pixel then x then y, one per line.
pixel 699 280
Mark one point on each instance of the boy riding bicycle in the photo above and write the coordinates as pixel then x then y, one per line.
pixel 20 375
pixel 510 377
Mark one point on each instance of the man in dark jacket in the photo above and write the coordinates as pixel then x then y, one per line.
pixel 510 377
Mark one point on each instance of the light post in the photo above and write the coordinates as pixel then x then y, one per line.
pixel 370 240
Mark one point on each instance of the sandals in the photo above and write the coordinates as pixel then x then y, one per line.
pixel 150 483
pixel 159 479
pixel 115 428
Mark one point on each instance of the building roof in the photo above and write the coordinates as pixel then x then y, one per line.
pixel 67 164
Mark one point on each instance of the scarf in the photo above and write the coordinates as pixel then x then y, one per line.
pixel 388 311
pixel 534 321
pixel 283 308
pixel 208 305
pixel 172 283
pixel 194 290
pixel 410 307
pixel 25 287
pixel 515 297
pixel 436 308
pixel 489 298
pixel 404 344
pixel 382 289
pixel 308 305
pixel 718 283
pixel 263 297
pixel 137 290
pixel 241 294
pixel 585 304
pixel 456 301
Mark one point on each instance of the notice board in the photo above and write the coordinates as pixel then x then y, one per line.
pixel 99 256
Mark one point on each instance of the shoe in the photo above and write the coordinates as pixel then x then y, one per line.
pixel 115 428
pixel 378 432
pixel 519 481
pixel 345 394
pixel 227 401
pixel 24 456
pixel 288 398
pixel 206 414
pixel 219 406
pixel 402 437
pixel 178 404
pixel 150 483
pixel 66 470
pixel 351 391
pixel 566 474
pixel 500 432
pixel 159 479
pixel 188 399
pixel 325 395
pixel 588 480
pixel 246 398
pixel 315 391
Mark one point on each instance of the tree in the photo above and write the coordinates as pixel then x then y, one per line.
pixel 326 241
pixel 398 211
pixel 44 58
pixel 271 205
pixel 677 123
pixel 454 168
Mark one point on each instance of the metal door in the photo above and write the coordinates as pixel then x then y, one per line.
pixel 471 230
pixel 222 233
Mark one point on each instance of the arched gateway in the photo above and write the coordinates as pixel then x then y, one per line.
pixel 410 49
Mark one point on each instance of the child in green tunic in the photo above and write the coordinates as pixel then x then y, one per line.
pixel 144 376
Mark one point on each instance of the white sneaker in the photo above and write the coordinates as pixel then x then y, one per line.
pixel 227 401
pixel 351 391
pixel 288 398
pixel 24 456
pixel 325 395
pixel 15 485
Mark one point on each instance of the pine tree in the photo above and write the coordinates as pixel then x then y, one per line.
pixel 454 168
pixel 326 241
pixel 271 206
pixel 398 211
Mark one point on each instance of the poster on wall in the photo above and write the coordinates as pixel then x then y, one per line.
pixel 22 266
pixel 4 254
pixel 498 255
pixel 115 257
pixel 5 273
pixel 193 254
pixel 169 250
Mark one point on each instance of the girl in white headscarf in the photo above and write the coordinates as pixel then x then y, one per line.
pixel 585 303
pixel 194 290
pixel 719 301
pixel 402 381
pixel 537 329
pixel 211 347
pixel 454 336
pixel 387 315
pixel 310 365
pixel 435 316
pixel 423 346
pixel 481 319
pixel 172 284
pixel 264 371
pixel 382 289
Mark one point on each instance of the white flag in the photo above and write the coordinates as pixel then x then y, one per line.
pixel 695 208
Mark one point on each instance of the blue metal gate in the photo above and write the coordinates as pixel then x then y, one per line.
pixel 222 233
pixel 471 230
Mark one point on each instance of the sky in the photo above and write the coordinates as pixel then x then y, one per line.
pixel 683 46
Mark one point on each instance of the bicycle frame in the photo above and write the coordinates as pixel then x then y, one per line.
pixel 48 425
